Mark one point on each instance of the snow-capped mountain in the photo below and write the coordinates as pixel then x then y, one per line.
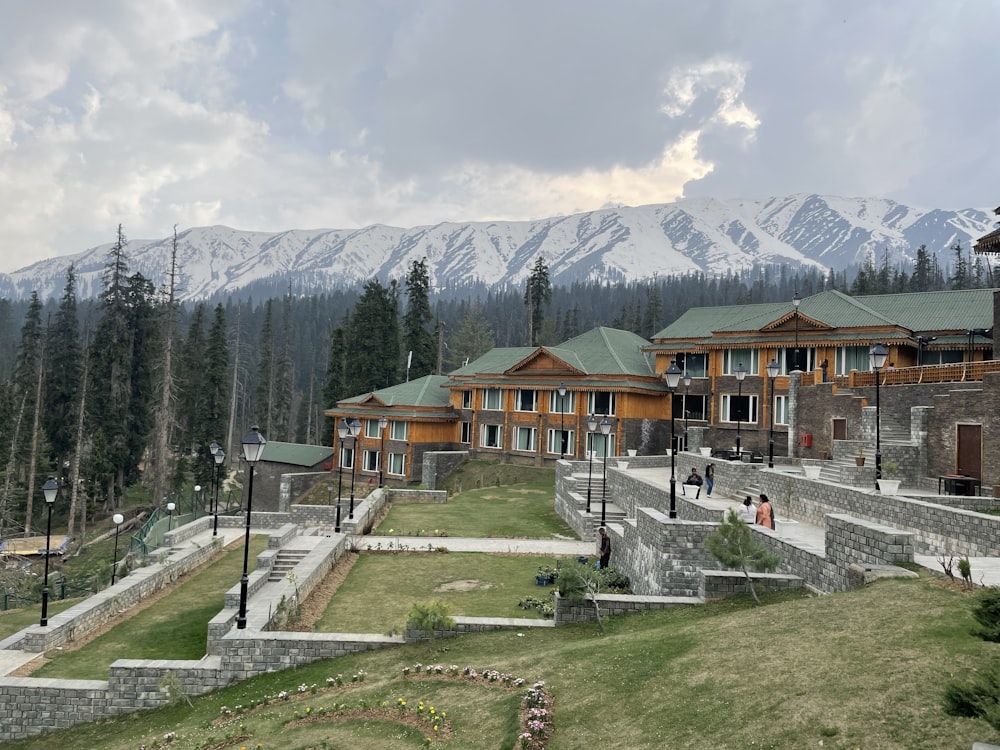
pixel 699 235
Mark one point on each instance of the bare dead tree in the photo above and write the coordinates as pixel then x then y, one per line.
pixel 79 448
pixel 164 413
pixel 11 462
pixel 36 428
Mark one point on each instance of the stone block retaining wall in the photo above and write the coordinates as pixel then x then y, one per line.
pixel 722 584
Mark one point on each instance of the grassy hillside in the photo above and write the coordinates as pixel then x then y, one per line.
pixel 864 669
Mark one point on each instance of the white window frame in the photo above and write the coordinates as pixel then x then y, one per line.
pixel 528 435
pixel 486 430
pixel 345 452
pixel 371 429
pixel 397 464
pixel 598 438
pixel 781 409
pixel 467 399
pixel 552 442
pixel 749 358
pixel 568 405
pixel 526 397
pixel 466 433
pixel 592 403
pixel 492 399
pixel 370 460
pixel 842 367
pixel 752 404
pixel 694 364
pixel 398 429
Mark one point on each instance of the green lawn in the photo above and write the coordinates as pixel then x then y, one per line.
pixel 518 511
pixel 864 669
pixel 380 589
pixel 175 627
pixel 16 620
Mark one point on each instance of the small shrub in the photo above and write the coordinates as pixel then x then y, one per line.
pixel 987 614
pixel 979 698
pixel 430 616
pixel 965 570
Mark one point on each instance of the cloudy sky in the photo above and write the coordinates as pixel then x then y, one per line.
pixel 271 115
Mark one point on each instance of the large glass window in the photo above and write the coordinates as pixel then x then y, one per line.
pixel 525 438
pixel 601 402
pixel 562 404
pixel 601 445
pixel 737 408
pixel 942 356
pixel 398 430
pixel 397 464
pixel 560 442
pixel 525 400
pixel 851 358
pixel 491 436
pixel 370 460
pixel 466 399
pixel 691 406
pixel 749 358
pixel 492 399
pixel 371 428
pixel 694 363
pixel 466 432
pixel 807 359
pixel 346 457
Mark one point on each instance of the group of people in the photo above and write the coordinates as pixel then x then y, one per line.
pixel 762 515
pixel 695 480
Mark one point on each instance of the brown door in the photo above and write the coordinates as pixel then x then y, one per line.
pixel 969 458
pixel 840 429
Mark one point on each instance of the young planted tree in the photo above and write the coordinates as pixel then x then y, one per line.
pixel 578 582
pixel 733 545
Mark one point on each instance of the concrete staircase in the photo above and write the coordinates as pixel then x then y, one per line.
pixel 285 561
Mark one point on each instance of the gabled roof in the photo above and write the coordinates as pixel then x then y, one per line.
pixel 958 310
pixel 296 454
pixel 496 360
pixel 425 392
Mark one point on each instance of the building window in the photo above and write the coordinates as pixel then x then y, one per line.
pixel 491 436
pixel 695 364
pixel 397 464
pixel 370 460
pixel 781 409
pixel 346 457
pixel 690 406
pixel 601 402
pixel 749 358
pixel 466 399
pixel 942 356
pixel 492 400
pixel 739 408
pixel 525 438
pixel 560 442
pixel 525 400
pixel 807 359
pixel 466 432
pixel 371 428
pixel 562 404
pixel 601 445
pixel 851 358
pixel 398 430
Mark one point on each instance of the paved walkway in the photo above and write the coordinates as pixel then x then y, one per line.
pixel 567 547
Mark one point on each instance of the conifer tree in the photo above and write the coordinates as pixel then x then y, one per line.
pixel 418 338
pixel 537 296
pixel 373 340
pixel 472 340
pixel 335 387
pixel 164 414
pixel 733 545
pixel 62 376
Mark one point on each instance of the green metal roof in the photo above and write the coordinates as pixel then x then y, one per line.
pixel 295 453
pixel 958 310
pixel 606 351
pixel 427 392
pixel 499 359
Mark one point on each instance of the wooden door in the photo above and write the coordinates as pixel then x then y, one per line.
pixel 969 455
pixel 840 429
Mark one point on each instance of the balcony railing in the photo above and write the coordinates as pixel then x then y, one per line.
pixel 958 372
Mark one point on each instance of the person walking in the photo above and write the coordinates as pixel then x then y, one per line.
pixel 604 550
pixel 765 513
pixel 709 479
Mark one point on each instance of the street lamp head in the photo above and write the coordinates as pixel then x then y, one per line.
pixel 687 379
pixel 772 368
pixel 672 375
pixel 118 518
pixel 562 390
pixel 197 488
pixel 253 445
pixel 355 427
pixel 170 507
pixel 50 489
pixel 796 300
pixel 220 456
pixel 592 423
pixel 343 429
pixel 879 354
pixel 740 372
pixel 214 447
pixel 382 422
pixel 605 426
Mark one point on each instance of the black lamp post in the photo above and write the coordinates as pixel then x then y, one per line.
pixel 772 373
pixel 196 505
pixel 170 515
pixel 673 376
pixel 740 372
pixel 562 420
pixel 118 518
pixel 878 354
pixel 253 449
pixel 219 456
pixel 605 430
pixel 382 424
pixel 589 445
pixel 355 427
pixel 687 384
pixel 50 489
pixel 343 430
pixel 796 301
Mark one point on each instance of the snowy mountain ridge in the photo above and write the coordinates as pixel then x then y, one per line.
pixel 695 235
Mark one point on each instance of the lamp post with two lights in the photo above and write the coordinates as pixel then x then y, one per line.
pixel 740 372
pixel 383 422
pixel 605 431
pixel 673 377
pixel 562 420
pixel 589 446
pixel 343 430
pixel 355 429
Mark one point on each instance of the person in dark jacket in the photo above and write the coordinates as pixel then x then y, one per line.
pixel 604 550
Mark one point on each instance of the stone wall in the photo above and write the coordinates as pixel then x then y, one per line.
pixel 438 464
pixel 722 584
pixel 568 612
